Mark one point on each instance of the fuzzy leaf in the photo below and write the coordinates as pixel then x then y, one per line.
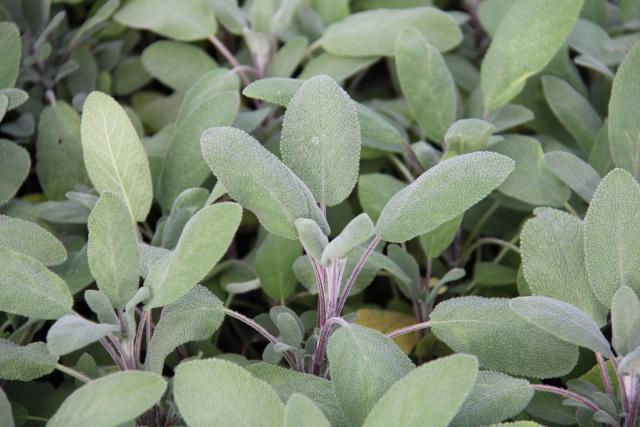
pixel 562 320
pixel 553 261
pixel 320 139
pixel 311 237
pixel 113 249
pixel 338 68
pixel 259 181
pixel 525 41
pixel 196 316
pixel 624 127
pixel 29 289
pixel 110 400
pixel 444 383
pixel 14 169
pixel 441 194
pixel 374 192
pixel 426 83
pixel 113 154
pixel 288 57
pixel 467 135
pixel 373 33
pixel 387 321
pixel 72 332
pixel 184 207
pixel 611 230
pixel 227 396
pixel 11 48
pixel 274 261
pixel 356 232
pixel 6 413
pixel 489 329
pixel 25 363
pixel 495 397
pixel 30 239
pixel 438 240
pixel 364 364
pixel 204 240
pixel 625 321
pixel 574 172
pixel 99 303
pixel 301 410
pixel 184 20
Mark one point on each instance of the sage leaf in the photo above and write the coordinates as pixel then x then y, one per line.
pixel 625 321
pixel 311 237
pixel 14 169
pixel 468 135
pixel 288 57
pixel 373 33
pixel 113 249
pixel 553 261
pixel 445 383
pixel 113 155
pixel 438 240
pixel 301 410
pixel 110 400
pixel 32 240
pixel 356 232
pixel 610 229
pixel 183 20
pixel 276 90
pixel 562 320
pixel 320 139
pixel 11 48
pixel 259 181
pixel 495 397
pixel 338 68
pixel 364 364
pixel 375 190
pixel 624 129
pixel 574 172
pixel 274 260
pixel 525 41
pixel 441 194
pixel 195 316
pixel 29 289
pixel 228 396
pixel 25 363
pixel 204 240
pixel 184 207
pixel 5 411
pixel 426 83
pixel 502 341
pixel 99 303
pixel 72 332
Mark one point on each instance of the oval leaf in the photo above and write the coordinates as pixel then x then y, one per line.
pixel 30 239
pixel 25 363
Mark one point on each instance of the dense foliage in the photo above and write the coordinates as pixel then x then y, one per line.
pixel 319 213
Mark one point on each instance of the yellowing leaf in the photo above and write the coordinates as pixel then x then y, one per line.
pixel 387 321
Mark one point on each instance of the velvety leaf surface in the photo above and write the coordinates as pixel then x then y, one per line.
pixel 14 169
pixel 25 363
pixel 301 410
pixel 358 231
pixel 72 332
pixel 274 261
pixel 11 48
pixel 30 239
pixel 625 321
pixel 574 172
pixel 375 190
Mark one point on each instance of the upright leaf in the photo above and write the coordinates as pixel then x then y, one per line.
pixel 25 363
pixel 204 240
pixel 301 410
pixel 433 394
pixel 259 181
pixel 624 127
pixel 574 172
pixel 110 400
pixel 274 261
pixel 441 194
pixel 29 289
pixel 6 413
pixel 217 392
pixel 72 332
pixel 375 190
pixel 625 321
pixel 502 341
pixel 195 316
pixel 364 364
pixel 311 237
pixel 320 139
pixel 525 41
pixel 14 169
pixel 611 231
pixel 11 48
pixel 356 232
pixel 426 83
pixel 113 154
pixel 30 239
pixel 113 249
pixel 183 20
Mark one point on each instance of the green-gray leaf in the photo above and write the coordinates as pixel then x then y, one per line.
pixel 444 384
pixel 553 261
pixel 6 413
pixel 111 400
pixel 30 239
pixel 25 363
pixel 205 239
pixel 311 237
pixel 375 190
pixel 426 83
pixel 624 127
pixel 574 172
pixel 216 392
pixel 562 320
pixel 625 321
pixel 301 411
pixel 489 329
pixel 274 261
pixel 611 231
pixel 357 231
pixel 11 48
pixel 441 194
pixel 113 249
pixel 29 289
pixel 72 332
pixel 364 364
pixel 113 154
pixel 525 41
pixel 259 181
pixel 374 32
pixel 14 169
pixel 196 316
pixel 184 20
pixel 320 139
pixel 467 135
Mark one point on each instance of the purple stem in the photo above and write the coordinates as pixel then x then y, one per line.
pixel 409 329
pixel 318 355
pixel 621 385
pixel 319 272
pixel 604 374
pixel 565 393
pixel 633 410
pixel 356 272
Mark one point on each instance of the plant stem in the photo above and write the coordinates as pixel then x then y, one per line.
pixel 565 393
pixel 406 173
pixel 604 374
pixel 409 329
pixel 621 385
pixel 476 229
pixel 488 241
pixel 319 272
pixel 73 373
pixel 633 408
pixel 230 58
pixel 356 271
pixel 321 348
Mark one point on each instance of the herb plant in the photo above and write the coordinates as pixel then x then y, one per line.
pixel 319 213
